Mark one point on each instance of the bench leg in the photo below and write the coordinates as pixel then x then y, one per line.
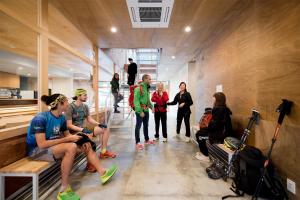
pixel 35 187
pixel 2 187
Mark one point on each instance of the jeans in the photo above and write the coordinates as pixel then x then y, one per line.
pixel 139 121
pixel 186 117
pixel 117 97
pixel 160 116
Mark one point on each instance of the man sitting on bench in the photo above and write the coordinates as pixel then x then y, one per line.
pixel 48 139
pixel 77 116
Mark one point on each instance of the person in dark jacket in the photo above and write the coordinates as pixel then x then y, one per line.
pixel 132 71
pixel 220 125
pixel 184 100
pixel 115 91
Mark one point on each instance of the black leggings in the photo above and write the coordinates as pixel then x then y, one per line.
pixel 186 117
pixel 201 137
pixel 160 116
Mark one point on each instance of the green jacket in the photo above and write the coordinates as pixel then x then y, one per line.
pixel 114 86
pixel 143 99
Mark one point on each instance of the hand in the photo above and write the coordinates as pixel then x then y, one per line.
pixel 73 138
pixel 181 105
pixel 142 114
pixel 86 131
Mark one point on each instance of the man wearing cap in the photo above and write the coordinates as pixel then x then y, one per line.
pixel 78 115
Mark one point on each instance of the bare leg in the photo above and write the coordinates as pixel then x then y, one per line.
pixel 67 152
pixel 92 158
pixel 104 134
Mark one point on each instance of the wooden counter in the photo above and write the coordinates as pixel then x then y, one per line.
pixel 10 102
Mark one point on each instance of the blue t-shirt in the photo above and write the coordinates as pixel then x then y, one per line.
pixel 45 122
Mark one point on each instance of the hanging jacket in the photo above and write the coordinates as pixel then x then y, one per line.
pixel 160 101
pixel 184 98
pixel 220 126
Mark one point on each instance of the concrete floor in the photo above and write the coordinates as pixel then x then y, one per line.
pixel 162 172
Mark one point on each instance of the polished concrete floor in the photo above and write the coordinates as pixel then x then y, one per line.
pixel 163 171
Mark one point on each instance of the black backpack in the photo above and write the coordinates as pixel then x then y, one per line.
pixel 248 168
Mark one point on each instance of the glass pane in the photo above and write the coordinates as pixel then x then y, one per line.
pixel 18 73
pixel 68 72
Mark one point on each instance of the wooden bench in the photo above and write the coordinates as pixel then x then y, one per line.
pixel 12 151
pixel 24 168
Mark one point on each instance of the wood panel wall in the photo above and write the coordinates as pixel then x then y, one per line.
pixel 8 80
pixel 256 57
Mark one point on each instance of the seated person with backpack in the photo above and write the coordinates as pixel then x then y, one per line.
pixel 218 127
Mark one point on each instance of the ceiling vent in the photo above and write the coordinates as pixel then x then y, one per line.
pixel 150 13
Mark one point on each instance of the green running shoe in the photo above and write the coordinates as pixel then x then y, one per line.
pixel 68 194
pixel 108 174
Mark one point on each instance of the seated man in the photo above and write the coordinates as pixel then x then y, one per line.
pixel 48 139
pixel 77 116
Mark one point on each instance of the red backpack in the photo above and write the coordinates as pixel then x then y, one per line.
pixel 131 95
pixel 206 118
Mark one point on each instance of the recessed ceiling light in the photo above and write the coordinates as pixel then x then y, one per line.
pixel 28 74
pixel 20 68
pixel 71 69
pixel 167 69
pixel 187 29
pixel 113 29
pixel 173 57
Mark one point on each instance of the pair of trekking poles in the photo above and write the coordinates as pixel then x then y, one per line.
pixel 284 109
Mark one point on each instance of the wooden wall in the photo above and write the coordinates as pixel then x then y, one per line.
pixel 8 80
pixel 255 55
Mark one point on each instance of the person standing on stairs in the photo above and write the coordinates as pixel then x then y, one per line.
pixel 184 100
pixel 77 117
pixel 115 91
pixel 142 104
pixel 132 71
pixel 160 97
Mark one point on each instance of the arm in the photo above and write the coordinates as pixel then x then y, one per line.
pixel 165 97
pixel 136 100
pixel 73 127
pixel 43 143
pixel 154 97
pixel 175 101
pixel 92 121
pixel 189 101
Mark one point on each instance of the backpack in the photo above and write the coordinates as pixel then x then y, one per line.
pixel 131 94
pixel 248 168
pixel 206 118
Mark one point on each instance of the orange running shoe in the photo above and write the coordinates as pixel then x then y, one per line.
pixel 90 168
pixel 107 154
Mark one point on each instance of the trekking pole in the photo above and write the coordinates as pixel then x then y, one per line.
pixel 284 109
pixel 253 119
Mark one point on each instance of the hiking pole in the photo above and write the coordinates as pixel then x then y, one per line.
pixel 253 119
pixel 284 109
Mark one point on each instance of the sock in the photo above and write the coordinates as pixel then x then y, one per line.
pixel 103 150
pixel 63 188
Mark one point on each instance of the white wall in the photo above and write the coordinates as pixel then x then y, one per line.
pixel 106 70
pixel 62 86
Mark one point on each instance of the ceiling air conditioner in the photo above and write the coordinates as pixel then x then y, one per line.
pixel 150 13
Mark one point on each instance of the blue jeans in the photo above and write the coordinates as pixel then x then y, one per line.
pixel 139 121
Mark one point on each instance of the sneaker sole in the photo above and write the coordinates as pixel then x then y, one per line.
pixel 108 178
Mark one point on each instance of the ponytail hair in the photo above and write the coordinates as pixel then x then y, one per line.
pixel 53 100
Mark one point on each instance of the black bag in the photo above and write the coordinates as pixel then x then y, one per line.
pixel 248 167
